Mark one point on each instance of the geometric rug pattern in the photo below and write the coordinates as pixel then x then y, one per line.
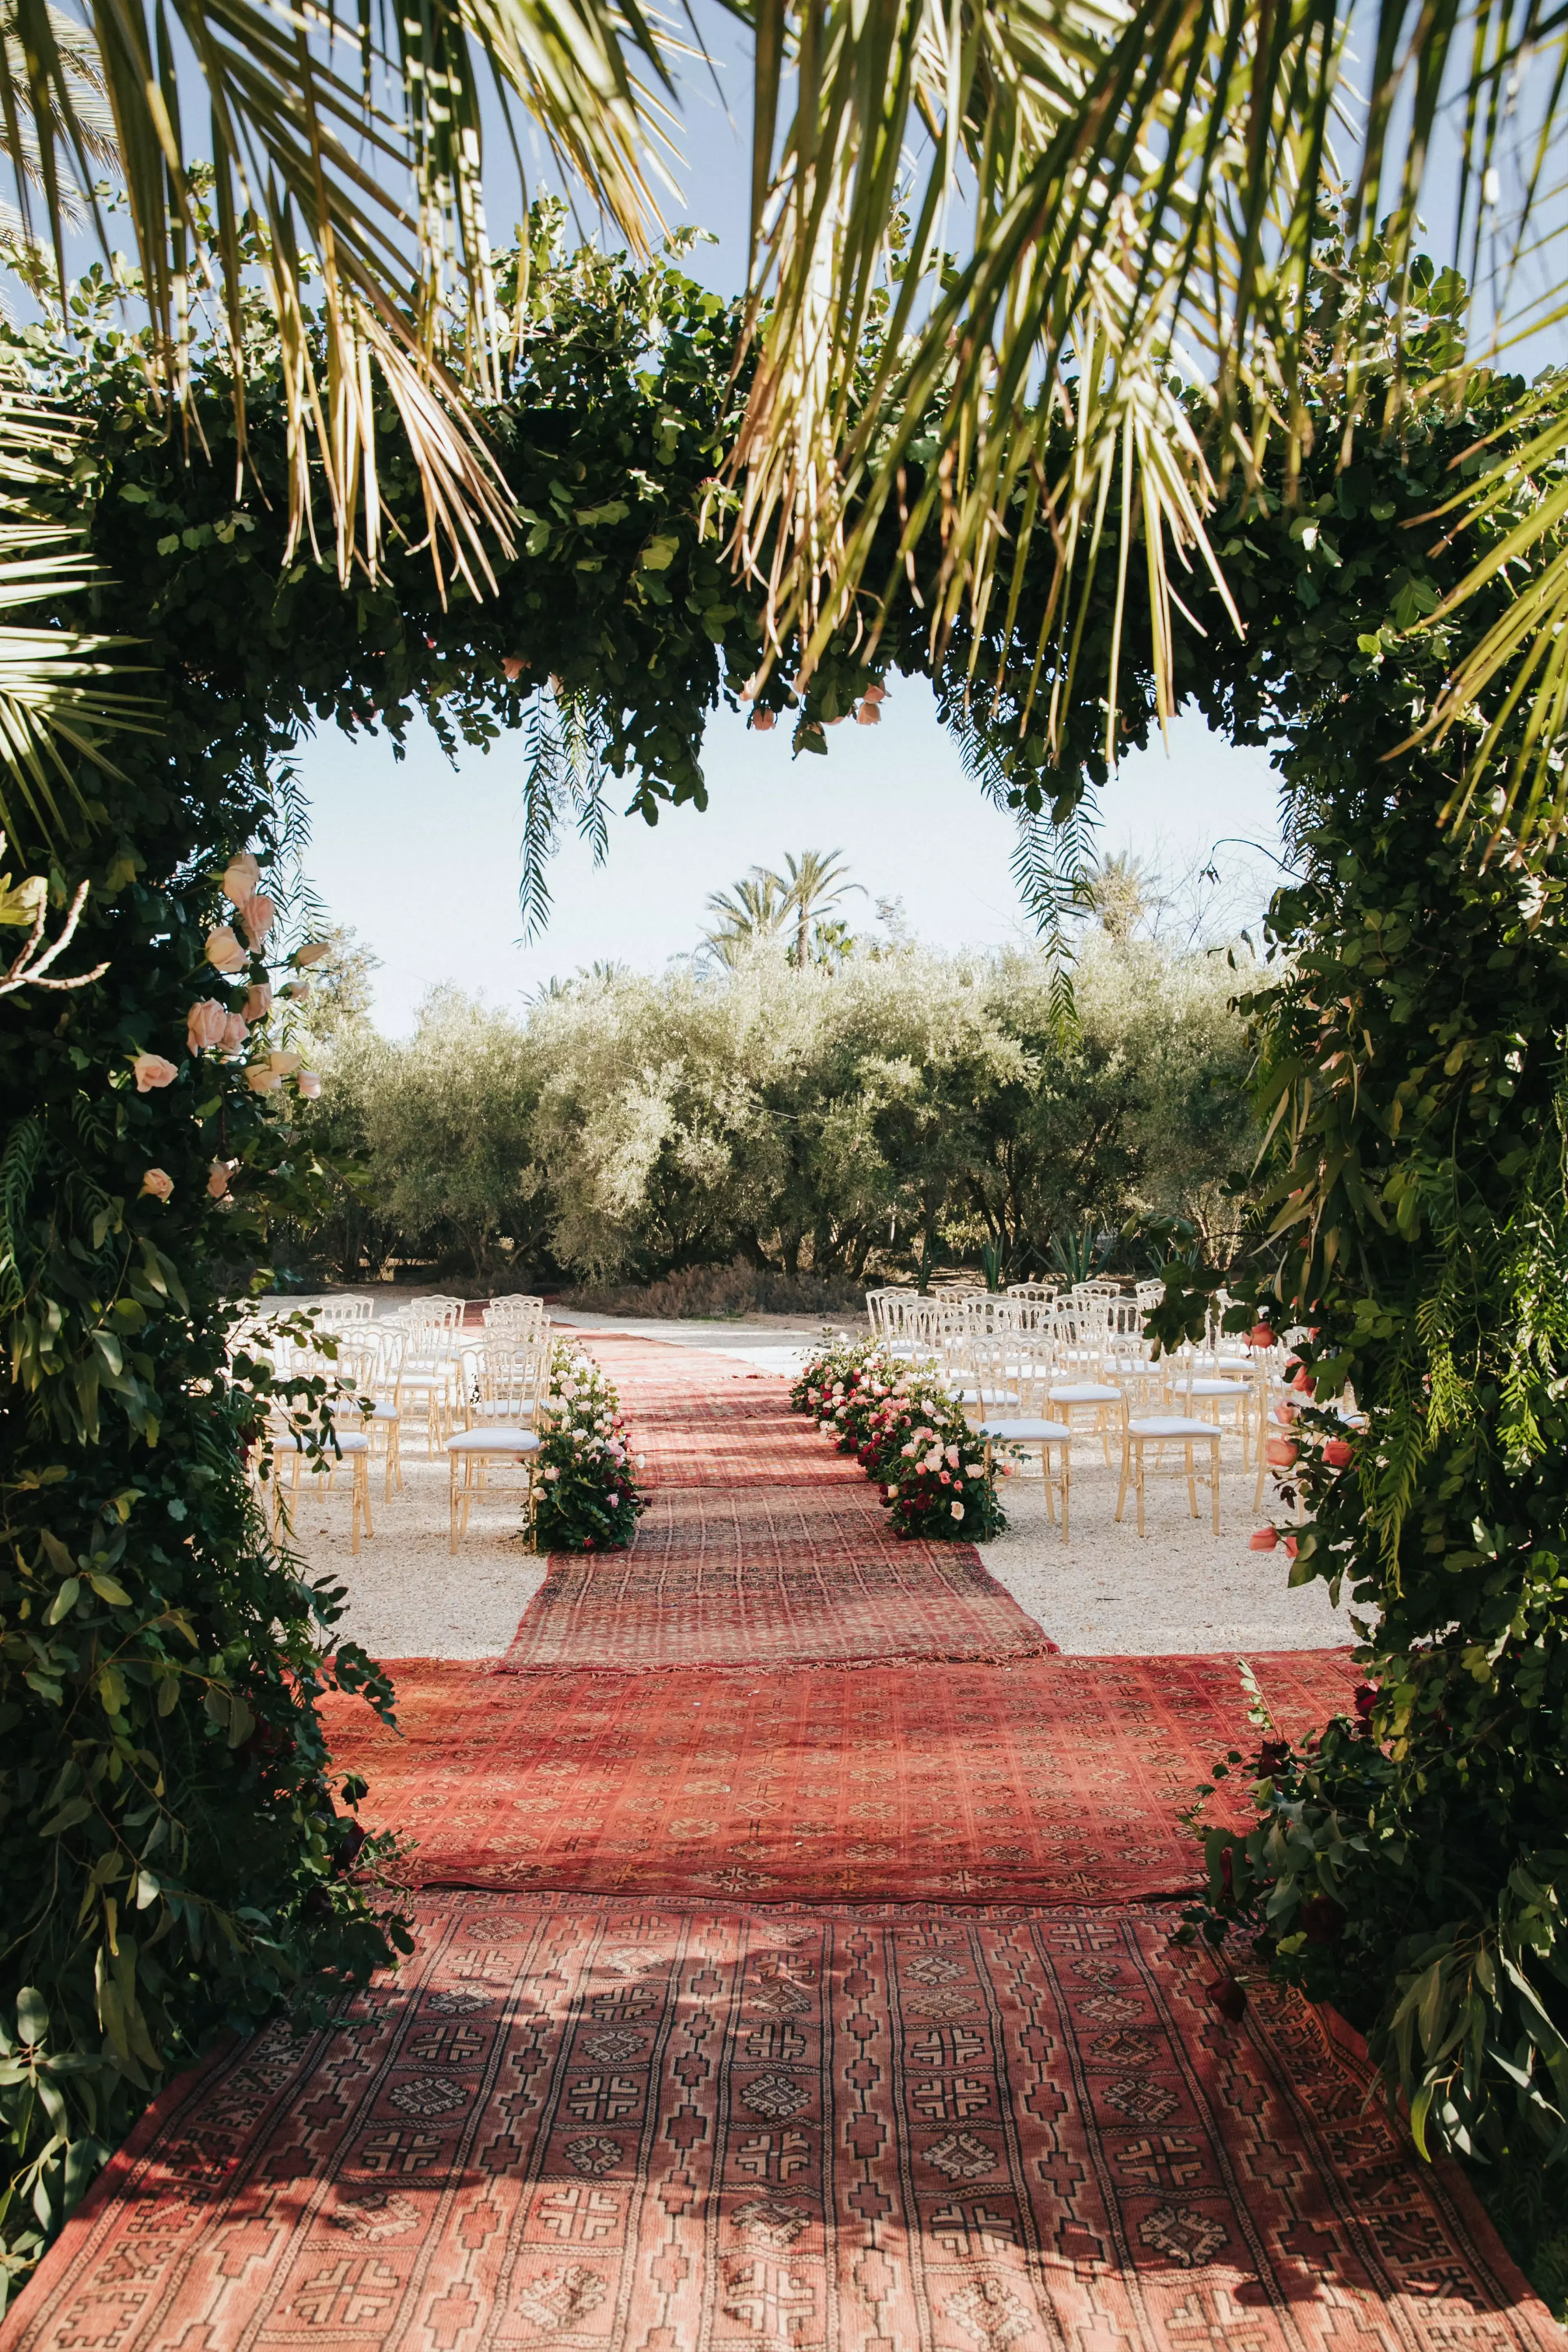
pixel 758 2005
pixel 763 1545
pixel 639 2127
pixel 1056 1780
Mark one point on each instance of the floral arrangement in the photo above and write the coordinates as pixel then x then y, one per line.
pixel 908 1433
pixel 588 1497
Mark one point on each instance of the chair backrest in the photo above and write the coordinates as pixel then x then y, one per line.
pixel 1038 1294
pixel 1013 1380
pixel 1080 1335
pixel 515 1377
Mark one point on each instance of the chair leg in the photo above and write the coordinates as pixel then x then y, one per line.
pixel 453 1505
pixel 1192 1488
pixel 1214 1484
pixel 362 1484
pixel 1126 1466
pixel 1066 1483
pixel 1139 1468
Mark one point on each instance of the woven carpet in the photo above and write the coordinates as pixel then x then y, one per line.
pixel 763 1545
pixel 1056 1780
pixel 760 1574
pixel 651 2128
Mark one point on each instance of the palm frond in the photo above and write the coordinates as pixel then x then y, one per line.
pixel 1143 185
pixel 57 693
pixel 346 141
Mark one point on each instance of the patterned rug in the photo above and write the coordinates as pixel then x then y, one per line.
pixel 1057 1780
pixel 757 1574
pixel 699 1420
pixel 640 2127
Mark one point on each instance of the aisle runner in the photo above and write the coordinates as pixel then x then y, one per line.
pixel 763 1545
pixel 651 2128
pixel 1058 1781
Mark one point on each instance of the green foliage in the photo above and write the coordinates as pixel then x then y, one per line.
pixel 789 1117
pixel 1416 1218
pixel 588 1497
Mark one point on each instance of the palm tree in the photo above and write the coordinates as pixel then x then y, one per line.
pixel 812 885
pixel 754 910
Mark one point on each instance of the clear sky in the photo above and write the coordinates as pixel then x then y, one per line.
pixel 422 858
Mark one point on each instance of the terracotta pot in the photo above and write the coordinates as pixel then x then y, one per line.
pixel 1263 1539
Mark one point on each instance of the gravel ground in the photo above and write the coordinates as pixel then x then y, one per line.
pixel 1107 1593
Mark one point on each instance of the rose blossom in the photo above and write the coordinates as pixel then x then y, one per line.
pixel 313 954
pixel 262 1078
pixel 957 1510
pixel 217 1182
pixel 158 1182
pixel 205 1024
pixel 286 1064
pixel 151 1070
pixel 237 1029
pixel 258 915
pixel 309 1085
pixel 257 1001
pixel 241 878
pixel 224 952
pixel 552 1472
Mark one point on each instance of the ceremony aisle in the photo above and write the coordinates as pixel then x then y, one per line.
pixel 793 1972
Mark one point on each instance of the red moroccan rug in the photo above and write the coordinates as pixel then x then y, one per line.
pixel 760 1574
pixel 700 1421
pixel 644 2126
pixel 1058 1781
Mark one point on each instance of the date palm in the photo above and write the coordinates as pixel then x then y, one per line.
pixel 811 886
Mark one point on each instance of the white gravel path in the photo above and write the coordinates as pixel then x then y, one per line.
pixel 1107 1593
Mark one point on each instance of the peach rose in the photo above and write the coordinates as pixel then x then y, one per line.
pixel 262 1078
pixel 207 1024
pixel 258 915
pixel 151 1070
pixel 257 1001
pixel 217 1182
pixel 241 878
pixel 764 719
pixel 224 952
pixel 514 665
pixel 286 1064
pixel 309 1085
pixel 313 954
pixel 298 990
pixel 868 715
pixel 235 1032
pixel 158 1182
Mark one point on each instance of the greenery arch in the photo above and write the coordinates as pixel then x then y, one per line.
pixel 172 1851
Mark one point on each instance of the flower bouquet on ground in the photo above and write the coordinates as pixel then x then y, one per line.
pixel 908 1433
pixel 588 1496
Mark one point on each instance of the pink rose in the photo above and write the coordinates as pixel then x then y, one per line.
pixel 236 1031
pixel 257 914
pixel 257 1001
pixel 262 1078
pixel 151 1070
pixel 957 1510
pixel 158 1182
pixel 217 1182
pixel 514 665
pixel 205 1024
pixel 224 952
pixel 309 1085
pixel 313 954
pixel 241 878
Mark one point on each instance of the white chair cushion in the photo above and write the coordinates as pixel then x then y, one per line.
pixel 1213 1388
pixel 381 1412
pixel 1024 1433
pixel 493 1440
pixel 1084 1392
pixel 1173 1424
pixel 494 1408
pixel 350 1441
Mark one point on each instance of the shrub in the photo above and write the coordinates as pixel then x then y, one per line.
pixel 588 1497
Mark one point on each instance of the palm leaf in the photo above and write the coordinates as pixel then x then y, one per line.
pixel 1144 187
pixel 354 136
